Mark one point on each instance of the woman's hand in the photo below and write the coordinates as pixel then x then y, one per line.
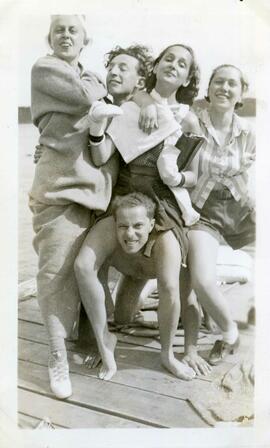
pixel 148 120
pixel 197 363
pixel 38 153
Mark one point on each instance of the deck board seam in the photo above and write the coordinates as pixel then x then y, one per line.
pixel 37 418
pixel 31 321
pixel 118 383
pixel 96 409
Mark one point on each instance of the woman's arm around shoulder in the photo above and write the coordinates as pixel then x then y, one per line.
pixel 148 119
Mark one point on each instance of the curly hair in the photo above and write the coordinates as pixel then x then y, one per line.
pixel 244 83
pixel 140 52
pixel 185 95
pixel 134 199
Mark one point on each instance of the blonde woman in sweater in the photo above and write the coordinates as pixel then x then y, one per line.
pixel 66 186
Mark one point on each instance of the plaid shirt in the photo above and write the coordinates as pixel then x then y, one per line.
pixel 227 164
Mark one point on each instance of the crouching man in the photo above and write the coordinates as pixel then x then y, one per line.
pixel 137 250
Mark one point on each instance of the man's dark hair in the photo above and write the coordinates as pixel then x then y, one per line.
pixel 135 199
pixel 140 52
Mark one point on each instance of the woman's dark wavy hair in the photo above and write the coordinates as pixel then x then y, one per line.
pixel 185 95
pixel 244 83
pixel 140 52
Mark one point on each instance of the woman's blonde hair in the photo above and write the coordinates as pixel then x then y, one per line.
pixel 82 20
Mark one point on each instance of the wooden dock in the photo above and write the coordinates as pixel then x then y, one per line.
pixel 141 395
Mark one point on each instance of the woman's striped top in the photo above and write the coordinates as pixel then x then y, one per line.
pixel 224 164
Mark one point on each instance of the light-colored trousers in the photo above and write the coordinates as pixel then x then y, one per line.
pixel 59 233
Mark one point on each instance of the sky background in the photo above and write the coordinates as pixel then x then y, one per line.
pixel 217 36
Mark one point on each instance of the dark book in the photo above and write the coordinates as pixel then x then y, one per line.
pixel 189 145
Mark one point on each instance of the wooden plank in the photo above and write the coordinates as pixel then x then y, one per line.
pixel 149 359
pixel 68 415
pixel 240 297
pixel 155 344
pixel 36 332
pixel 30 422
pixel 27 289
pixel 132 354
pixel 31 303
pixel 138 340
pixel 114 399
pixel 148 375
pixel 29 314
pixel 139 335
pixel 32 331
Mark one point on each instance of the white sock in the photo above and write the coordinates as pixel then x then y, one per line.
pixel 231 335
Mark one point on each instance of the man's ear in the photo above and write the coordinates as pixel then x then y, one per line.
pixel 140 83
pixel 152 224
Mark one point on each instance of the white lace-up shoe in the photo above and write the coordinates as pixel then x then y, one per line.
pixel 59 375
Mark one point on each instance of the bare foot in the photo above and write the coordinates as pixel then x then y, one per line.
pixel 108 368
pixel 177 368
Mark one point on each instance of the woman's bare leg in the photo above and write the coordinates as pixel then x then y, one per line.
pixel 203 249
pixel 191 318
pixel 168 261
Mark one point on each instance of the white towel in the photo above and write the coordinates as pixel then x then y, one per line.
pixel 131 141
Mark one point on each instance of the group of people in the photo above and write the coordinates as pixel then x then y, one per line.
pixel 141 183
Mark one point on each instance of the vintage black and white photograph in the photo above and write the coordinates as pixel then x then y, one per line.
pixel 136 220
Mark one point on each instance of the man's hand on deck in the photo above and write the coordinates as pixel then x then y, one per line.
pixel 197 363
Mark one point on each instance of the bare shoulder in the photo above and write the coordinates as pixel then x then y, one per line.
pixel 164 242
pixel 191 123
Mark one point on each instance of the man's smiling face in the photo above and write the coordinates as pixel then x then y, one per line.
pixel 123 77
pixel 133 227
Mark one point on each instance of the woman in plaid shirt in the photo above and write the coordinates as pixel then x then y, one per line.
pixel 221 197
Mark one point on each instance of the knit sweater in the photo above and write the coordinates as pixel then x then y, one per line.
pixel 61 98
